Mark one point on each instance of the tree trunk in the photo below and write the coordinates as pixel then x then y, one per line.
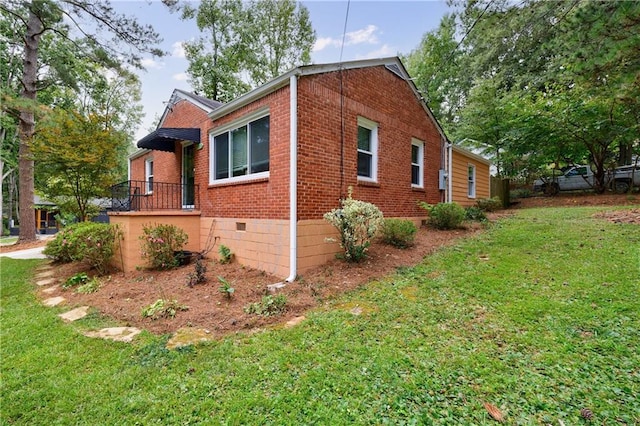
pixel 27 128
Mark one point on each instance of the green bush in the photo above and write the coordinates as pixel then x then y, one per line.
pixel 89 242
pixel 520 193
pixel 489 204
pixel 398 232
pixel 225 254
pixel 60 248
pixel 475 213
pixel 444 215
pixel 357 222
pixel 270 305
pixel 163 308
pixel 160 244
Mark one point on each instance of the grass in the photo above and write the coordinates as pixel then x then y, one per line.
pixel 538 316
pixel 8 240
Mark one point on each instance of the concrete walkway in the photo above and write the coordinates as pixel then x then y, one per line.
pixel 32 253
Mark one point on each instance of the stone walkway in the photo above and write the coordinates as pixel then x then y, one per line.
pixel 45 278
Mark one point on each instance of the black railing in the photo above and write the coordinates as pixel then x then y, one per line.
pixel 140 195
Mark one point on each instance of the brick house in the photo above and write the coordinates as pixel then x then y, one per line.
pixel 286 153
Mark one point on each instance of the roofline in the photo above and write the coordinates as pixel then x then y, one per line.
pixel 181 94
pixel 139 153
pixel 283 80
pixel 468 153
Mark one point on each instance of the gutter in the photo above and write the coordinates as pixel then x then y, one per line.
pixel 293 178
pixel 450 173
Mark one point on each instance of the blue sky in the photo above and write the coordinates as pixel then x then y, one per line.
pixel 374 29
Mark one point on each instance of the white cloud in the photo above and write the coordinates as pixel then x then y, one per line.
pixel 181 76
pixel 152 63
pixel 177 49
pixel 365 35
pixel 384 51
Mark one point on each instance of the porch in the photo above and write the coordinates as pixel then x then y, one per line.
pixel 135 204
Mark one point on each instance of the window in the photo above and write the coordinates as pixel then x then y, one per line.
pixel 472 181
pixel 367 150
pixel 241 151
pixel 148 175
pixel 417 161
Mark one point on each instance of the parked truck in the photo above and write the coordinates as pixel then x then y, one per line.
pixel 576 178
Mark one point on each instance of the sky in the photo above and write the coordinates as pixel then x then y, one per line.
pixel 375 29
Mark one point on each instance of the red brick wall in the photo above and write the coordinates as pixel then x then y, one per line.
pixel 378 95
pixel 264 199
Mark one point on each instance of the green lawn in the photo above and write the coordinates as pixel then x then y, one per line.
pixel 539 316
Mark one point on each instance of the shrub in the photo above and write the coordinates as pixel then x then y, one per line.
pixel 398 232
pixel 199 273
pixel 444 215
pixel 225 254
pixel 60 248
pixel 163 308
pixel 489 204
pixel 520 193
pixel 92 243
pixel 90 287
pixel 77 279
pixel 160 244
pixel 475 213
pixel 357 222
pixel 270 305
pixel 225 288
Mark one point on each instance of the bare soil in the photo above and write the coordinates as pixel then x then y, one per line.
pixel 123 296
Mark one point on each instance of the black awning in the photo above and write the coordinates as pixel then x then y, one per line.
pixel 164 138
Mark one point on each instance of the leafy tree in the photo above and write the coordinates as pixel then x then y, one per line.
pixel 244 45
pixel 436 67
pixel 553 82
pixel 80 156
pixel 216 58
pixel 280 38
pixel 39 19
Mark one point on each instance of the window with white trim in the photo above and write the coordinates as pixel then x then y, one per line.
pixel 471 173
pixel 241 152
pixel 148 175
pixel 417 163
pixel 367 150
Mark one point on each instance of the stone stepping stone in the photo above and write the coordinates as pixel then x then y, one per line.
pixel 49 290
pixel 45 274
pixel 293 322
pixel 46 281
pixel 118 334
pixel 54 301
pixel 189 336
pixel 75 314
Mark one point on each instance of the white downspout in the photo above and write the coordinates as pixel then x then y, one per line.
pixel 293 178
pixel 450 173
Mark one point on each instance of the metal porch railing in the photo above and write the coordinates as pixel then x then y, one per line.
pixel 139 195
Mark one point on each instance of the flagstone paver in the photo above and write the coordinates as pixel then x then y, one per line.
pixel 45 274
pixel 119 334
pixel 293 322
pixel 189 336
pixel 54 301
pixel 46 281
pixel 75 314
pixel 49 290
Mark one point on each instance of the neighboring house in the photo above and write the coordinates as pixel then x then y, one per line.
pixel 285 153
pixel 45 212
pixel 470 177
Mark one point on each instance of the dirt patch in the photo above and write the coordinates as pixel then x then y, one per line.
pixel 578 199
pixel 22 245
pixel 123 297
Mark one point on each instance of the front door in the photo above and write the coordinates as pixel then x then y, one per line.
pixel 188 177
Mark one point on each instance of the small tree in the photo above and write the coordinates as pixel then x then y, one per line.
pixel 357 222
